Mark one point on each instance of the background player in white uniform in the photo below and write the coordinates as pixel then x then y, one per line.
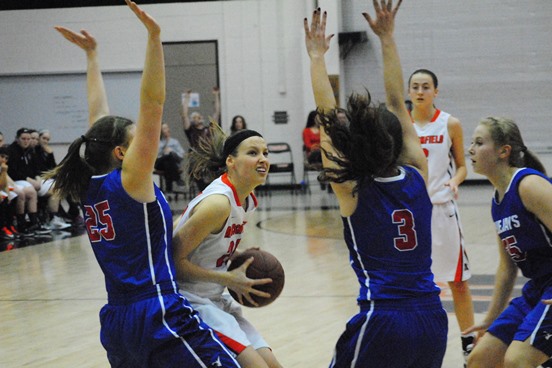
pixel 442 140
pixel 210 230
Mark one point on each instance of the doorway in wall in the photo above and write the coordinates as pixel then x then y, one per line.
pixel 189 66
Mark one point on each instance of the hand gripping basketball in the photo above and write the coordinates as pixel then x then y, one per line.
pixel 264 265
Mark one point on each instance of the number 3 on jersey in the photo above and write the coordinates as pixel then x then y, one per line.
pixel 407 239
pixel 98 222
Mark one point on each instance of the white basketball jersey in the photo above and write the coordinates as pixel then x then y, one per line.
pixel 436 144
pixel 215 250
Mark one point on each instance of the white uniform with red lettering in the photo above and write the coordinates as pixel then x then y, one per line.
pixel 215 306
pixel 450 261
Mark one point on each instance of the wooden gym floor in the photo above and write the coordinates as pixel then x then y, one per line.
pixel 51 292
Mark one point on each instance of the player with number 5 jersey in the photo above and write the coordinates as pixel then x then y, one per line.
pixel 378 172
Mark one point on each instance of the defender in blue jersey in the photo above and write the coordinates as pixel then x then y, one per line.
pixel 146 322
pixel 518 335
pixel 378 172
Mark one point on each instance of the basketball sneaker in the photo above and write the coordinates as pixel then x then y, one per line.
pixel 6 234
pixel 467 346
pixel 57 223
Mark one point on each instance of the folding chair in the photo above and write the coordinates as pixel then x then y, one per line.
pixel 281 163
pixel 309 168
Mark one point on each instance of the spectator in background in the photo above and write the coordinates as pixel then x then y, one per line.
pixel 34 138
pixel 45 161
pixel 195 127
pixel 238 123
pixel 311 140
pixel 169 157
pixel 22 169
pixel 1 139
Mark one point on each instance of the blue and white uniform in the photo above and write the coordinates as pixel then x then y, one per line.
pixel 216 307
pixel 529 244
pixel 146 322
pixel 401 322
pixel 450 260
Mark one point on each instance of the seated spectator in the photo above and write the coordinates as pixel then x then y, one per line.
pixel 169 157
pixel 238 123
pixel 311 140
pixel 45 162
pixel 23 169
pixel 195 127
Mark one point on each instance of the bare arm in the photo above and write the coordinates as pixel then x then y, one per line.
pixel 137 174
pixel 97 98
pixel 383 26
pixel 457 138
pixel 209 217
pixel 317 44
pixel 184 112
pixel 506 274
pixel 216 113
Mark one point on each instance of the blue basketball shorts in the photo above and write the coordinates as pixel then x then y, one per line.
pixel 161 331
pixel 394 334
pixel 526 318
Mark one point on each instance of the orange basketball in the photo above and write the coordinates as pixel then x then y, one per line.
pixel 264 265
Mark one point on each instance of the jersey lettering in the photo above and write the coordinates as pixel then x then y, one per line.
pixel 432 139
pixel 98 221
pixel 231 249
pixel 407 239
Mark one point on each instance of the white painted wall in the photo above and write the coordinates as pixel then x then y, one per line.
pixel 492 57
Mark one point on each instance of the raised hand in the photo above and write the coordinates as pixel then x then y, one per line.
pixel 84 40
pixel 384 23
pixel 315 36
pixel 150 23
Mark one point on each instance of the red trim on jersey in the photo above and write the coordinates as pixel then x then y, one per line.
pixel 435 116
pixel 226 181
pixel 232 344
pixel 459 266
pixel 255 201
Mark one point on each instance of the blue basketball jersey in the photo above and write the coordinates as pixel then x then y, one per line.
pixel 389 238
pixel 131 240
pixel 525 238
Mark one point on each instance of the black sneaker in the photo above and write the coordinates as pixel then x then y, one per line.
pixel 39 229
pixel 467 346
pixel 27 232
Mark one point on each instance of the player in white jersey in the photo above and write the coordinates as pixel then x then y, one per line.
pixel 209 232
pixel 442 140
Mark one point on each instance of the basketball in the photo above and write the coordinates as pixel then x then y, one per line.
pixel 264 265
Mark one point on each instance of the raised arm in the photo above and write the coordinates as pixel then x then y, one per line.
pixel 97 98
pixel 216 112
pixel 383 26
pixel 317 44
pixel 142 153
pixel 185 112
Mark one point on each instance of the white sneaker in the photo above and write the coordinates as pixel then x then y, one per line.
pixel 57 223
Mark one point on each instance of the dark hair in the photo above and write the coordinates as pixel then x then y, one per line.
pixel 73 173
pixel 207 161
pixel 368 147
pixel 311 119
pixel 234 120
pixel 428 72
pixel 504 131
pixel 22 131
